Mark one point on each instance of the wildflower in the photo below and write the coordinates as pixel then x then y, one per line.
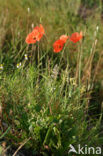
pixel 1 66
pixel 39 32
pixel 26 57
pixel 35 35
pixel 30 39
pixel 64 38
pixel 58 46
pixel 18 65
pixel 75 37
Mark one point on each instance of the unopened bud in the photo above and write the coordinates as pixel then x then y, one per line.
pixel 28 10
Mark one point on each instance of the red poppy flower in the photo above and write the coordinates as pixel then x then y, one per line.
pixel 30 39
pixel 58 46
pixel 39 32
pixel 64 38
pixel 75 37
pixel 35 35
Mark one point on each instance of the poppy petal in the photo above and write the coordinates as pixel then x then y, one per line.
pixel 75 37
pixel 35 35
pixel 58 46
pixel 30 39
pixel 64 38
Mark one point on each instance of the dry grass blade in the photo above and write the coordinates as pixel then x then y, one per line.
pixel 97 66
pixel 21 146
pixel 88 66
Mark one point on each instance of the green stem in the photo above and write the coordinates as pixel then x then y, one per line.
pixel 38 54
pixel 63 52
pixel 80 64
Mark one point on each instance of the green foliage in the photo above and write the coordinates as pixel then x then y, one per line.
pixel 52 119
pixel 91 3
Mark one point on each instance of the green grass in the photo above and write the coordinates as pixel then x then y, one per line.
pixel 48 104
